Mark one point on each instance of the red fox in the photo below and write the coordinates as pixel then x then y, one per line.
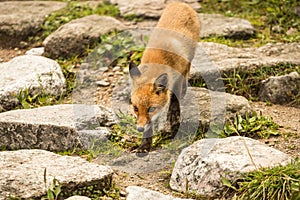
pixel 160 81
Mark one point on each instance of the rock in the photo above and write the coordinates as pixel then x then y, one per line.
pixel 214 107
pixel 219 25
pixel 78 198
pixel 147 8
pixel 74 37
pixel 23 173
pixel 54 128
pixel 213 60
pixel 36 51
pixel 36 75
pixel 280 89
pixel 92 139
pixel 102 83
pixel 18 24
pixel 292 31
pixel 204 163
pixel 139 193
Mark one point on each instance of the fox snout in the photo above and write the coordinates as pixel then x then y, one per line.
pixel 142 123
pixel 140 129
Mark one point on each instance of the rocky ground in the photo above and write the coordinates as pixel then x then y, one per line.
pixel 54 128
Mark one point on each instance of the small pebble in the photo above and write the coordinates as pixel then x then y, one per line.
pixel 102 83
pixel 117 68
pixel 119 73
pixel 103 69
pixel 126 70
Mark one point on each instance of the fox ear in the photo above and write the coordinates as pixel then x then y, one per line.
pixel 161 83
pixel 134 70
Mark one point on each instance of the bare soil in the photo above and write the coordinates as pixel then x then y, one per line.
pixel 8 54
pixel 288 141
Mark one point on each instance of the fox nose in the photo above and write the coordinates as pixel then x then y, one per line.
pixel 140 129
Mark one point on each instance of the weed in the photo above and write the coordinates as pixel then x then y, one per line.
pixel 68 68
pixel 251 126
pixel 116 49
pixel 125 133
pixel 280 182
pixel 27 100
pixel 133 17
pixel 247 82
pixel 54 191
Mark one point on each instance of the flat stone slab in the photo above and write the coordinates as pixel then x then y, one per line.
pixel 203 164
pixel 21 19
pixel 29 75
pixel 212 58
pixel 74 37
pixel 140 193
pixel 23 173
pixel 219 25
pixel 56 128
pixel 147 8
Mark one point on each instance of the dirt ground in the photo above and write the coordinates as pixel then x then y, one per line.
pixel 288 141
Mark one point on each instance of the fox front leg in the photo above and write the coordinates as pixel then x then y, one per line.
pixel 146 141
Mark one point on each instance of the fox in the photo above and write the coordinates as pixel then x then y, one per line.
pixel 160 81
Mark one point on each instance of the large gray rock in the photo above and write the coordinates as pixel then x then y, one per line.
pixel 19 20
pixel 23 174
pixel 219 25
pixel 55 128
pixel 280 89
pixel 74 37
pixel 203 164
pixel 214 107
pixel 213 60
pixel 139 193
pixel 147 8
pixel 36 74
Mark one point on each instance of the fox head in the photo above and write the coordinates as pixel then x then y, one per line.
pixel 148 99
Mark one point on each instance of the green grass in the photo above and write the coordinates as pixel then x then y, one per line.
pixel 272 19
pixel 247 82
pixel 280 182
pixel 254 126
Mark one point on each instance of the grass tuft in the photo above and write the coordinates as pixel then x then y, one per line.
pixel 280 182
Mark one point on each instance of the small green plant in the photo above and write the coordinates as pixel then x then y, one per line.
pixel 251 126
pixel 69 67
pixel 116 49
pixel 54 191
pixel 125 133
pixel 27 100
pixel 279 182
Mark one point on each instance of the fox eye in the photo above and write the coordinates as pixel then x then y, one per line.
pixel 135 109
pixel 151 109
